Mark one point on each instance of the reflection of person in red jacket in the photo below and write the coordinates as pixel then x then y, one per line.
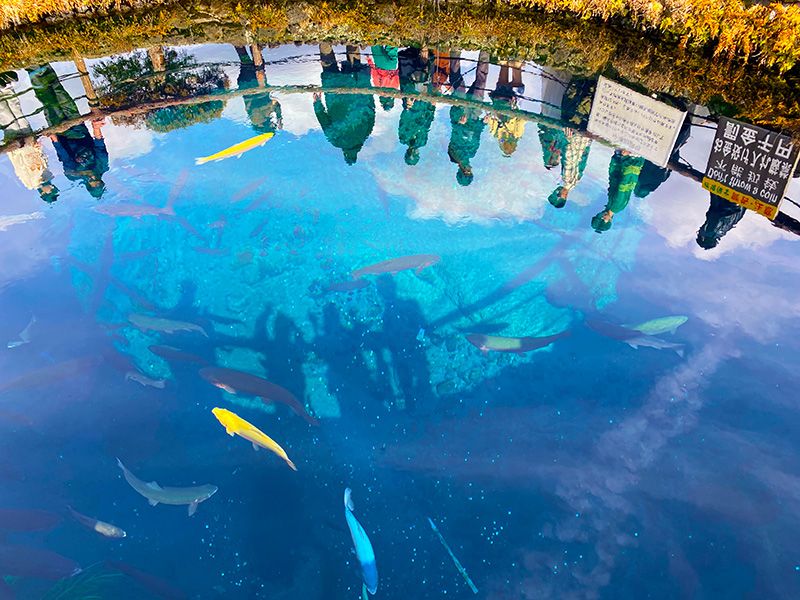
pixel 384 71
pixel 384 67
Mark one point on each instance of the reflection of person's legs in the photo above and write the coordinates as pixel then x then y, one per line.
pixel 353 57
pixel 516 73
pixel 502 77
pixel 481 72
pixel 327 58
pixel 456 79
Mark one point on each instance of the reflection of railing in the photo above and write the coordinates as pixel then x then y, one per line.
pixel 782 221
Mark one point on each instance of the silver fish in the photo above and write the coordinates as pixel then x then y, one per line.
pixel 146 322
pixel 145 380
pixel 155 494
pixel 649 341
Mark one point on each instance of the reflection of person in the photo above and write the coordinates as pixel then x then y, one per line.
pixel 384 71
pixel 467 122
pixel 553 143
pixel 346 119
pixel 465 138
pixel 623 173
pixel 57 103
pixel 83 155
pixel 652 176
pixel 573 163
pixel 29 161
pixel 417 116
pixel 722 216
pixel 507 130
pixel 577 101
pixel 415 124
pixel 264 112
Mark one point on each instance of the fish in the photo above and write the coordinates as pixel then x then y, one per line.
pixel 18 519
pixel 632 337
pixel 176 496
pixel 248 189
pixel 518 345
pixel 145 380
pixel 395 265
pixel 238 382
pixel 172 353
pixel 650 341
pixel 348 285
pixel 105 529
pixel 136 211
pixel 7 221
pixel 660 325
pixel 17 560
pixel 24 335
pixel 236 425
pixel 50 374
pixel 148 323
pixel 237 149
pixel 363 547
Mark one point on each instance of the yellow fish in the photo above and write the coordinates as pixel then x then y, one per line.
pixel 237 149
pixel 236 425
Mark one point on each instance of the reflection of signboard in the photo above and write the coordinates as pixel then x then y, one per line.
pixel 750 166
pixel 635 122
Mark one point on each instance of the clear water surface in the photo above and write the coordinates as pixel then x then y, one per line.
pixel 585 468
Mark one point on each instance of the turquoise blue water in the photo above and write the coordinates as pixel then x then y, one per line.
pixel 586 468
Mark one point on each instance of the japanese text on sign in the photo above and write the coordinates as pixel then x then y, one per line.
pixel 753 161
pixel 634 122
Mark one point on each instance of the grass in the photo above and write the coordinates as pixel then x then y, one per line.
pixel 764 34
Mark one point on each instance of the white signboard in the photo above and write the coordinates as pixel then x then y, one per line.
pixel 635 122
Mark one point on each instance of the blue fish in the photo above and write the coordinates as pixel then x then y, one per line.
pixel 364 551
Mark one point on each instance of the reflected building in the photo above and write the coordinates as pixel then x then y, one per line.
pixel 346 119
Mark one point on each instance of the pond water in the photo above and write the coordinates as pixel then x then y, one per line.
pixel 579 365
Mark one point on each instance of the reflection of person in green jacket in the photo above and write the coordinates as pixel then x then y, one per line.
pixel 415 124
pixel 346 119
pixel 465 138
pixel 58 104
pixel 417 116
pixel 264 112
pixel 553 143
pixel 623 173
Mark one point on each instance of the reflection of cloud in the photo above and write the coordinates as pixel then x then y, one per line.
pixel 125 142
pixel 383 139
pixel 678 209
pixel 760 303
pixel 503 188
pixel 597 491
pixel 298 113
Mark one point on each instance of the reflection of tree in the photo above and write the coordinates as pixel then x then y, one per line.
pixel 158 74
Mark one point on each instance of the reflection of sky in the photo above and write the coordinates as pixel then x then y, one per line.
pixel 617 465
